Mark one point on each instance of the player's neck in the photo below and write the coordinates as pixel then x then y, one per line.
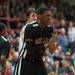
pixel 41 25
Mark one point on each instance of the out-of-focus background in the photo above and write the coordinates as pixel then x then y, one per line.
pixel 13 14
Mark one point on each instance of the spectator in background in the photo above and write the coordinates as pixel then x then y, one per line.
pixel 73 59
pixel 66 68
pixel 71 36
pixel 63 70
pixel 62 40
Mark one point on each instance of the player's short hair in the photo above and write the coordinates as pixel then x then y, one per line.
pixel 42 10
pixel 30 10
pixel 2 26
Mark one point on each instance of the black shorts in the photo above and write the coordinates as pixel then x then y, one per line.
pixel 27 67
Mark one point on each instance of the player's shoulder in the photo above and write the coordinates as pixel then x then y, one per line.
pixel 32 25
pixel 3 40
pixel 50 28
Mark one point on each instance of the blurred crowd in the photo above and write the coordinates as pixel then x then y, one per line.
pixel 62 61
pixel 13 12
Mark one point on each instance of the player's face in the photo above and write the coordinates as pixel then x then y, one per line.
pixel 33 16
pixel 4 31
pixel 45 18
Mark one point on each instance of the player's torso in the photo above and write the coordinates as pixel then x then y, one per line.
pixel 41 35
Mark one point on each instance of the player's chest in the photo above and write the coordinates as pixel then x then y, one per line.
pixel 42 35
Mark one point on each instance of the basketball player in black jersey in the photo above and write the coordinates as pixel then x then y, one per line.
pixel 37 36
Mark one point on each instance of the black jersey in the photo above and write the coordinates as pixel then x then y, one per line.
pixel 35 37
